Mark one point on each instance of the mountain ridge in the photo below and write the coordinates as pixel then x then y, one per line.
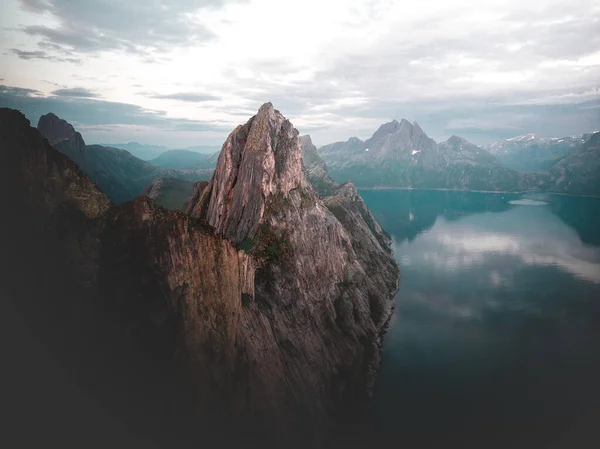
pixel 119 174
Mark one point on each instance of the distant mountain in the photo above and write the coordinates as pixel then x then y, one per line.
pixel 117 172
pixel 186 160
pixel 172 193
pixel 530 153
pixel 316 169
pixel 463 151
pixel 400 154
pixel 207 149
pixel 145 152
pixel 578 172
pixel 148 152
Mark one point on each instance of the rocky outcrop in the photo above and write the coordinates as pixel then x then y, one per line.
pixel 326 306
pixel 343 200
pixel 261 317
pixel 55 129
pixel 118 173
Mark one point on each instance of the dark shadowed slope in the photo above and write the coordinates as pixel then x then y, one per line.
pixel 117 172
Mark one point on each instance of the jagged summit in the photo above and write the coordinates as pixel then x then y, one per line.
pixel 55 129
pixel 259 159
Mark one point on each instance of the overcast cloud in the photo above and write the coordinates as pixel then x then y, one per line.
pixel 185 72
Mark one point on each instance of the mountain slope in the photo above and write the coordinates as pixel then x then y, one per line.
pixel 400 154
pixel 578 172
pixel 139 150
pixel 463 151
pixel 171 193
pixel 530 153
pixel 167 324
pixel 119 174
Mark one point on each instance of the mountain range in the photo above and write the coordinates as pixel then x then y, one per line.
pixel 255 318
pixel 186 160
pixel 119 174
pixel 401 155
pixel 532 153
pixel 147 152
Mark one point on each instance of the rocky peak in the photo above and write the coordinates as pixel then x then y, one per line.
pixel 61 133
pixel 399 139
pixel 260 159
pixel 55 129
pixel 307 144
pixel 316 169
pixel 454 139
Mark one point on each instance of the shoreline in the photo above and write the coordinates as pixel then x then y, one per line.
pixel 477 191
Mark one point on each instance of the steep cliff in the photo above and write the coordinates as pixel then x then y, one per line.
pixel 325 302
pixel 263 325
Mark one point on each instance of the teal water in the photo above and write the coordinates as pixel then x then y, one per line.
pixel 495 342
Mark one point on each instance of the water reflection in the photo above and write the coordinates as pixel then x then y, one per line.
pixel 497 328
pixel 407 213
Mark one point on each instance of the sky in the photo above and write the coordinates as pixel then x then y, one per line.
pixel 187 72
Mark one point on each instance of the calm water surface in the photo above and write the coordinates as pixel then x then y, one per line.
pixel 495 342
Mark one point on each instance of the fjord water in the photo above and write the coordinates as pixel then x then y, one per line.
pixel 495 342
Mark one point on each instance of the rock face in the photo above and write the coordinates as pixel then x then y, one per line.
pixel 342 200
pixel 327 304
pixel 171 193
pixel 400 154
pixel 118 173
pixel 172 326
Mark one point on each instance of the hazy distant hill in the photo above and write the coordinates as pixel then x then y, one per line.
pixel 148 152
pixel 186 160
pixel 145 152
pixel 530 153
pixel 119 174
pixel 578 172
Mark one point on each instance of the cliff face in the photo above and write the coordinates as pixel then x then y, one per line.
pixel 266 318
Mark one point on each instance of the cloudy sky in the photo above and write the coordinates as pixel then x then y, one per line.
pixel 186 72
